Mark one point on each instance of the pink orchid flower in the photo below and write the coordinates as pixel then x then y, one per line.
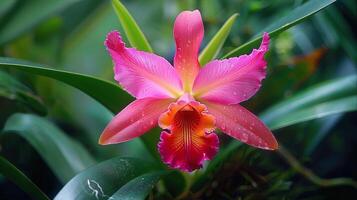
pixel 186 101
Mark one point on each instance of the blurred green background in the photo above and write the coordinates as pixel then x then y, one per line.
pixel 69 35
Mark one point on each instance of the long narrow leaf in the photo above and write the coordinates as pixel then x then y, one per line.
pixel 14 90
pixel 133 32
pixel 340 87
pixel 107 93
pixel 21 180
pixel 212 49
pixel 294 17
pixel 317 111
pixel 64 156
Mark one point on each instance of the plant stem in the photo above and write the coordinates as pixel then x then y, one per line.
pixel 310 175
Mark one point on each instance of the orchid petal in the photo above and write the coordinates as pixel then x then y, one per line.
pixel 188 139
pixel 141 73
pixel 238 122
pixel 188 34
pixel 137 118
pixel 233 80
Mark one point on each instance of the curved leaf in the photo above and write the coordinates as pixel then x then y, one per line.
pixel 28 15
pixel 139 187
pixel 107 93
pixel 12 89
pixel 332 89
pixel 317 111
pixel 294 17
pixel 133 32
pixel 104 179
pixel 20 179
pixel 64 156
pixel 212 49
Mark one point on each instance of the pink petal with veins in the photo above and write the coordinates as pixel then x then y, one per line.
pixel 238 122
pixel 137 118
pixel 232 80
pixel 142 74
pixel 188 34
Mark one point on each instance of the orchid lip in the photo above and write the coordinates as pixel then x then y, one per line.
pixel 188 139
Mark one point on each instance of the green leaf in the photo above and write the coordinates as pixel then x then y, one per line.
pixel 105 92
pixel 12 89
pixel 294 17
pixel 139 187
pixel 212 49
pixel 20 179
pixel 5 6
pixel 28 15
pixel 104 179
pixel 133 32
pixel 332 89
pixel 317 111
pixel 64 155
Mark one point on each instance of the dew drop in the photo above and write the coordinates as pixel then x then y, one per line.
pixel 244 137
pixel 235 93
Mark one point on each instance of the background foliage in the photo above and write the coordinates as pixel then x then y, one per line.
pixel 51 123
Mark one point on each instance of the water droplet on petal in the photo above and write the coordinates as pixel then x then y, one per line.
pixel 244 137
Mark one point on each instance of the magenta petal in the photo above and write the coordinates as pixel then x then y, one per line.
pixel 137 118
pixel 238 122
pixel 232 80
pixel 188 33
pixel 141 73
pixel 178 154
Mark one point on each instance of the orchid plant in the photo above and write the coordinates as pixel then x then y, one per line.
pixel 194 99
pixel 188 102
